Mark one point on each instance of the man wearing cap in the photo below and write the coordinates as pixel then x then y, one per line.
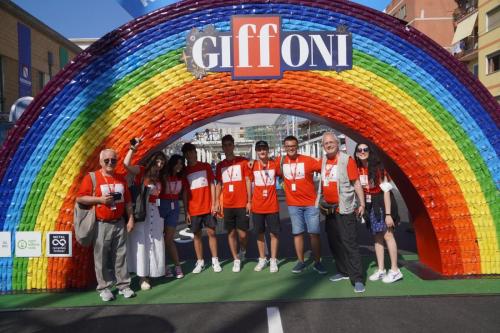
pixel 297 171
pixel 111 198
pixel 265 205
pixel 234 184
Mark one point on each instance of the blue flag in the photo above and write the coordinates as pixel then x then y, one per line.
pixel 138 8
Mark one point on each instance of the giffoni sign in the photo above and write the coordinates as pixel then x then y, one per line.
pixel 257 48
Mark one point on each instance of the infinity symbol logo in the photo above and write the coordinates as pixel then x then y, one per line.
pixel 59 242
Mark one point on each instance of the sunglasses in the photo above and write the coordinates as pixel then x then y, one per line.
pixel 363 150
pixel 111 161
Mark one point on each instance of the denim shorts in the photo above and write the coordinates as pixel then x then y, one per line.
pixel 303 218
pixel 170 216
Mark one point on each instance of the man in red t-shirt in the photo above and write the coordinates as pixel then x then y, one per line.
pixel 265 205
pixel 199 205
pixel 234 183
pixel 297 172
pixel 111 198
pixel 341 186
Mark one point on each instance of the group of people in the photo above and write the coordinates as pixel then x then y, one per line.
pixel 350 189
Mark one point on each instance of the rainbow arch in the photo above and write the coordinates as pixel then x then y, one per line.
pixel 404 93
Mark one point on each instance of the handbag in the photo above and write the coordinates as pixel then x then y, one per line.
pixel 326 208
pixel 139 194
pixel 394 210
pixel 84 219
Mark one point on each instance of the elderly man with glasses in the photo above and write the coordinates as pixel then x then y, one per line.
pixel 110 198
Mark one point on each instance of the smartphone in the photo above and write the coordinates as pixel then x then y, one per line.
pixel 133 141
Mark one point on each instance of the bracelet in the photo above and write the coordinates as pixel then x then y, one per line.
pixel 388 215
pixel 133 148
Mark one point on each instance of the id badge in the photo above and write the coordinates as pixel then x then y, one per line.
pixel 172 205
pixel 368 198
pixel 231 188
pixel 157 202
pixel 264 193
pixel 363 179
pixel 294 187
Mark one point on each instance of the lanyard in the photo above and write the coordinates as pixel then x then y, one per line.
pixel 170 189
pixel 330 173
pixel 294 173
pixel 109 187
pixel 230 168
pixel 265 175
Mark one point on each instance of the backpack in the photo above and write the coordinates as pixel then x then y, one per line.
pixel 139 194
pixel 84 219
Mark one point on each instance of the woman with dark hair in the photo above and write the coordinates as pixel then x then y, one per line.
pixel 377 189
pixel 146 246
pixel 169 208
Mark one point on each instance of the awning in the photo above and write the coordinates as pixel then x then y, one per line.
pixel 464 28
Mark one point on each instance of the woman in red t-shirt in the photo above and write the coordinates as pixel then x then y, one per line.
pixel 171 180
pixel 376 186
pixel 146 245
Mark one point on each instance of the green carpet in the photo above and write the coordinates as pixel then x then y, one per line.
pixel 255 286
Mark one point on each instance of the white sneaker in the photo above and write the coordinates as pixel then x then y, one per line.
pixel 106 295
pixel 145 285
pixel 242 254
pixel 199 266
pixel 127 292
pixel 377 275
pixel 260 265
pixel 216 265
pixel 392 276
pixel 236 266
pixel 273 265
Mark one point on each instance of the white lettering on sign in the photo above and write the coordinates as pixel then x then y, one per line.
pixel 256 48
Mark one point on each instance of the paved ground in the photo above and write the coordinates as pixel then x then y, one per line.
pixel 398 314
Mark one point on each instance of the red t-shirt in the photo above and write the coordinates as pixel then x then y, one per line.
pixel 197 184
pixel 106 185
pixel 329 181
pixel 373 187
pixel 231 174
pixel 173 186
pixel 154 188
pixel 264 198
pixel 300 172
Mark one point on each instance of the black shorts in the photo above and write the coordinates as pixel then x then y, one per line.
pixel 202 221
pixel 236 218
pixel 269 222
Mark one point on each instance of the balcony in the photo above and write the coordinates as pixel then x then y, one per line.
pixel 464 9
pixel 466 49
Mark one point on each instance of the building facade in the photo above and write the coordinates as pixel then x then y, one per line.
pixel 31 53
pixel 432 17
pixel 488 56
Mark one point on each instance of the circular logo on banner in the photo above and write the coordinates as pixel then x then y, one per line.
pixel 22 244
pixel 25 72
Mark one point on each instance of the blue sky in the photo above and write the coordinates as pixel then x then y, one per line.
pixel 94 18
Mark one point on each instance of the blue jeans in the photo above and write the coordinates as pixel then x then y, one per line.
pixel 304 217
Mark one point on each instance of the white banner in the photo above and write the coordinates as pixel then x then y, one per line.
pixel 28 244
pixel 5 244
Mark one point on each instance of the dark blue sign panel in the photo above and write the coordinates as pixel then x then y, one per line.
pixel 24 52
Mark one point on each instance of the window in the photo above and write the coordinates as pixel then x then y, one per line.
pixel 493 63
pixel 475 70
pixel 493 19
pixel 2 92
pixel 43 78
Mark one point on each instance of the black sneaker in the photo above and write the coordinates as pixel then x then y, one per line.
pixel 299 267
pixel 318 267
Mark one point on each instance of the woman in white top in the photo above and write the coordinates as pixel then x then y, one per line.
pixel 146 245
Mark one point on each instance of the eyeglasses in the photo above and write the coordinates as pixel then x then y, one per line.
pixel 363 150
pixel 111 161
